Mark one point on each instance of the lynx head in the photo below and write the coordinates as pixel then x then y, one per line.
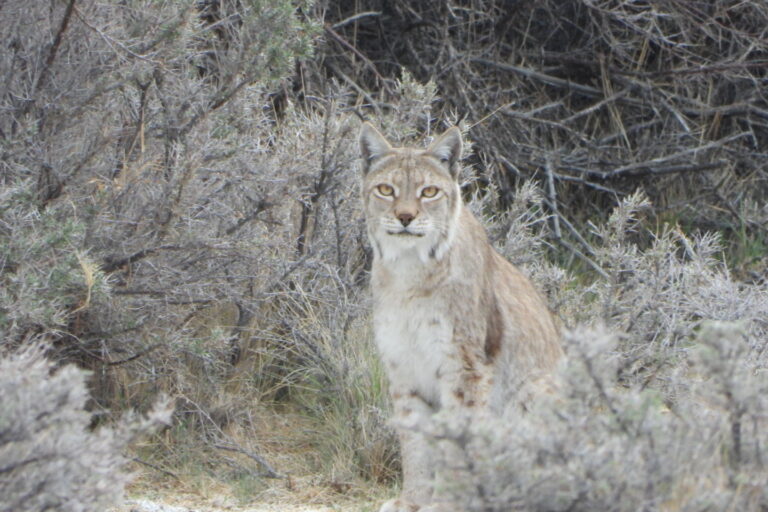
pixel 410 195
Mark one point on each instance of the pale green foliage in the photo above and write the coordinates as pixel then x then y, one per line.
pixel 600 445
pixel 660 294
pixel 49 458
pixel 416 100
pixel 662 407
pixel 44 274
pixel 656 287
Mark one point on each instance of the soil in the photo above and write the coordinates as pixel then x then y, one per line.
pixel 146 505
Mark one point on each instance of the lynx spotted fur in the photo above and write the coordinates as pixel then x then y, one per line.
pixel 458 327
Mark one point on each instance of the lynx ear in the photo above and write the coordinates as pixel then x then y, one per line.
pixel 447 148
pixel 372 145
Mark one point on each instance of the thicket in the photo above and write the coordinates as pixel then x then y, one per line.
pixel 179 212
pixel 593 98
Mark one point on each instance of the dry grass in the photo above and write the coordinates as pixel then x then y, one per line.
pixel 289 440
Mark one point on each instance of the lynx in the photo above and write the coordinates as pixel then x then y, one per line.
pixel 458 328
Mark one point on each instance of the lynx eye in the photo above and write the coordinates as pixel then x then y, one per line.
pixel 385 190
pixel 430 191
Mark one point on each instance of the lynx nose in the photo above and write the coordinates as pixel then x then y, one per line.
pixel 405 218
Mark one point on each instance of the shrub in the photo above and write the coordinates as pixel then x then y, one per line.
pixel 661 408
pixel 50 459
pixel 48 278
pixel 605 446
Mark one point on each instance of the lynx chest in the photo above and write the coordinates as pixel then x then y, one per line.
pixel 413 335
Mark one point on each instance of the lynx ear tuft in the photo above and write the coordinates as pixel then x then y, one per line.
pixel 372 145
pixel 447 148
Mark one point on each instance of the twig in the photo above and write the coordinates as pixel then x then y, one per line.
pixel 218 100
pixel 586 183
pixel 261 205
pixel 268 471
pixel 589 261
pixel 579 237
pixel 135 356
pixel 354 17
pixel 360 90
pixel 55 46
pixel 110 40
pixel 542 77
pixel 696 70
pixel 335 35
pixel 669 169
pixel 592 108
pixel 45 72
pixel 548 122
pixel 650 165
pixel 552 197
pixel 112 263
pixel 156 468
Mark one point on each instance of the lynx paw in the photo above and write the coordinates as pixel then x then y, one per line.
pixel 398 506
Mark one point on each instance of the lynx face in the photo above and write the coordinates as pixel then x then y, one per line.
pixel 411 196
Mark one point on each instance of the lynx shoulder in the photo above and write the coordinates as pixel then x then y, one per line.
pixel 457 326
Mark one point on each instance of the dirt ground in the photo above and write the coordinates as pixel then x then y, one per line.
pixel 167 500
pixel 284 439
pixel 146 505
pixel 298 494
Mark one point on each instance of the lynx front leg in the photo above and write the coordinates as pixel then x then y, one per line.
pixel 411 414
pixel 464 392
pixel 418 495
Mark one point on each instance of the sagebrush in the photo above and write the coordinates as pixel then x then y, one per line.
pixel 51 458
